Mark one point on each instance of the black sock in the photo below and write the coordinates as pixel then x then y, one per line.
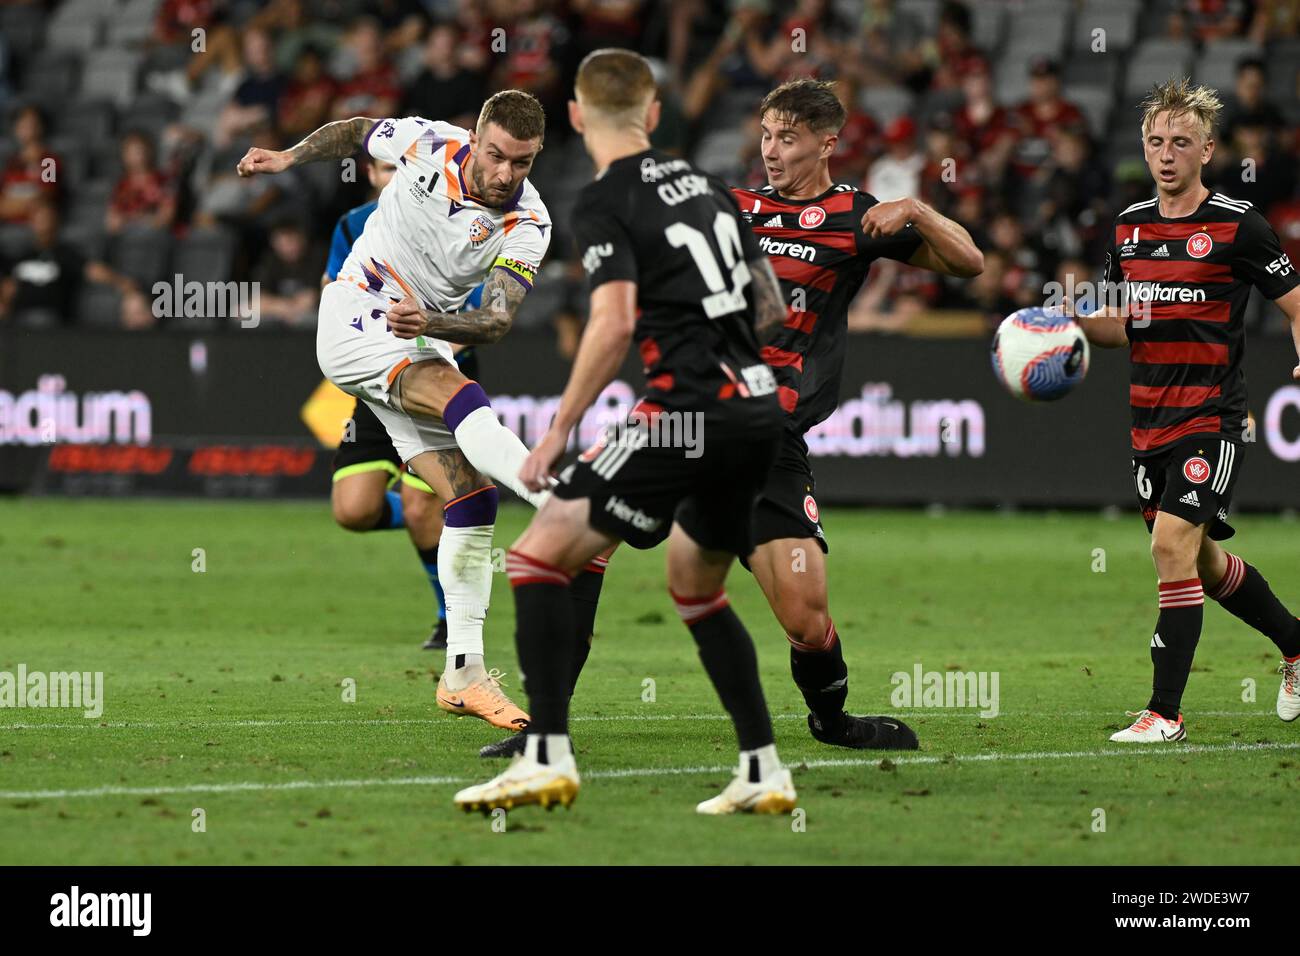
pixel 543 625
pixel 730 661
pixel 823 679
pixel 1243 592
pixel 585 593
pixel 1173 645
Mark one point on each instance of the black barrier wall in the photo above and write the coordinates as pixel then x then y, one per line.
pixel 920 421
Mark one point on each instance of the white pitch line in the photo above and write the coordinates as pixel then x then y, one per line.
pixel 635 772
pixel 92 724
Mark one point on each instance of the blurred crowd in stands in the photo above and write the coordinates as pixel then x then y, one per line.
pixel 124 119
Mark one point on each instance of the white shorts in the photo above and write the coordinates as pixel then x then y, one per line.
pixel 359 355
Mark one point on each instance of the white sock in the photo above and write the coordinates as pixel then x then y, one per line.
pixel 768 762
pixel 465 571
pixel 469 670
pixel 557 747
pixel 495 451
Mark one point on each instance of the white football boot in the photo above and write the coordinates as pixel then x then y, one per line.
pixel 525 781
pixel 773 794
pixel 1151 728
pixel 1288 695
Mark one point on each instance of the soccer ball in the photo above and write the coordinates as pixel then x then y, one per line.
pixel 1039 355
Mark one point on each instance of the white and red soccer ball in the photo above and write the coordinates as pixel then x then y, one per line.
pixel 1040 355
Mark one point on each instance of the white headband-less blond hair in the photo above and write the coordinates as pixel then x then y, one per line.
pixel 1179 98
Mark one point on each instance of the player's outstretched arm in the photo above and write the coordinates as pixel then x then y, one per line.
pixel 502 294
pixel 601 352
pixel 337 140
pixel 769 306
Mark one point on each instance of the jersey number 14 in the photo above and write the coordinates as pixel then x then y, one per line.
pixel 720 301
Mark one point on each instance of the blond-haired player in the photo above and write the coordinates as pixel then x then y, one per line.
pixel 1185 261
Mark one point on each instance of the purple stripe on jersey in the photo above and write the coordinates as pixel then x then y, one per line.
pixel 469 398
pixel 474 510
pixel 436 142
pixel 372 280
pixel 459 160
pixel 365 144
pixel 528 286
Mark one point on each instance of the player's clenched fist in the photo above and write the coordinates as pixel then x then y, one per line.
pixel 406 318
pixel 888 218
pixel 258 160
pixel 536 472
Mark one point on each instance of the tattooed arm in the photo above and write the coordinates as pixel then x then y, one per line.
pixel 502 293
pixel 336 140
pixel 769 304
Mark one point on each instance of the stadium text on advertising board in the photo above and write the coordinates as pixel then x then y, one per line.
pixel 50 413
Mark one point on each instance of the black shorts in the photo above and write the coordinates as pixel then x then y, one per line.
pixel 467 362
pixel 1192 479
pixel 638 489
pixel 786 508
pixel 370 448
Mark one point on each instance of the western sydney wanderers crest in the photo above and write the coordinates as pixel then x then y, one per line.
pixel 811 218
pixel 1196 470
pixel 480 229
pixel 1199 245
pixel 810 508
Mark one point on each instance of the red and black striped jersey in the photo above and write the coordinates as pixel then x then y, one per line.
pixel 1185 283
pixel 821 255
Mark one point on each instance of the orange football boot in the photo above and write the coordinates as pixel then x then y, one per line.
pixel 483 699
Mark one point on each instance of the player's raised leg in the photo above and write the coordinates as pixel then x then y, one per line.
pixel 1243 592
pixel 438 389
pixel 792 575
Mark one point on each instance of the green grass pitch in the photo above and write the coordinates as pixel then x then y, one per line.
pixel 224 692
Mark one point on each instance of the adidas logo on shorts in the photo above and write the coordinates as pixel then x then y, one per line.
pixel 1162 252
pixel 1190 499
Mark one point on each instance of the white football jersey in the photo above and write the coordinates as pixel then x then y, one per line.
pixel 430 237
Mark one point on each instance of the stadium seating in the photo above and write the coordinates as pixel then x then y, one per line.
pixel 111 74
pixel 141 254
pixel 85 62
pixel 52 79
pixel 1217 65
pixel 1154 61
pixel 98 305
